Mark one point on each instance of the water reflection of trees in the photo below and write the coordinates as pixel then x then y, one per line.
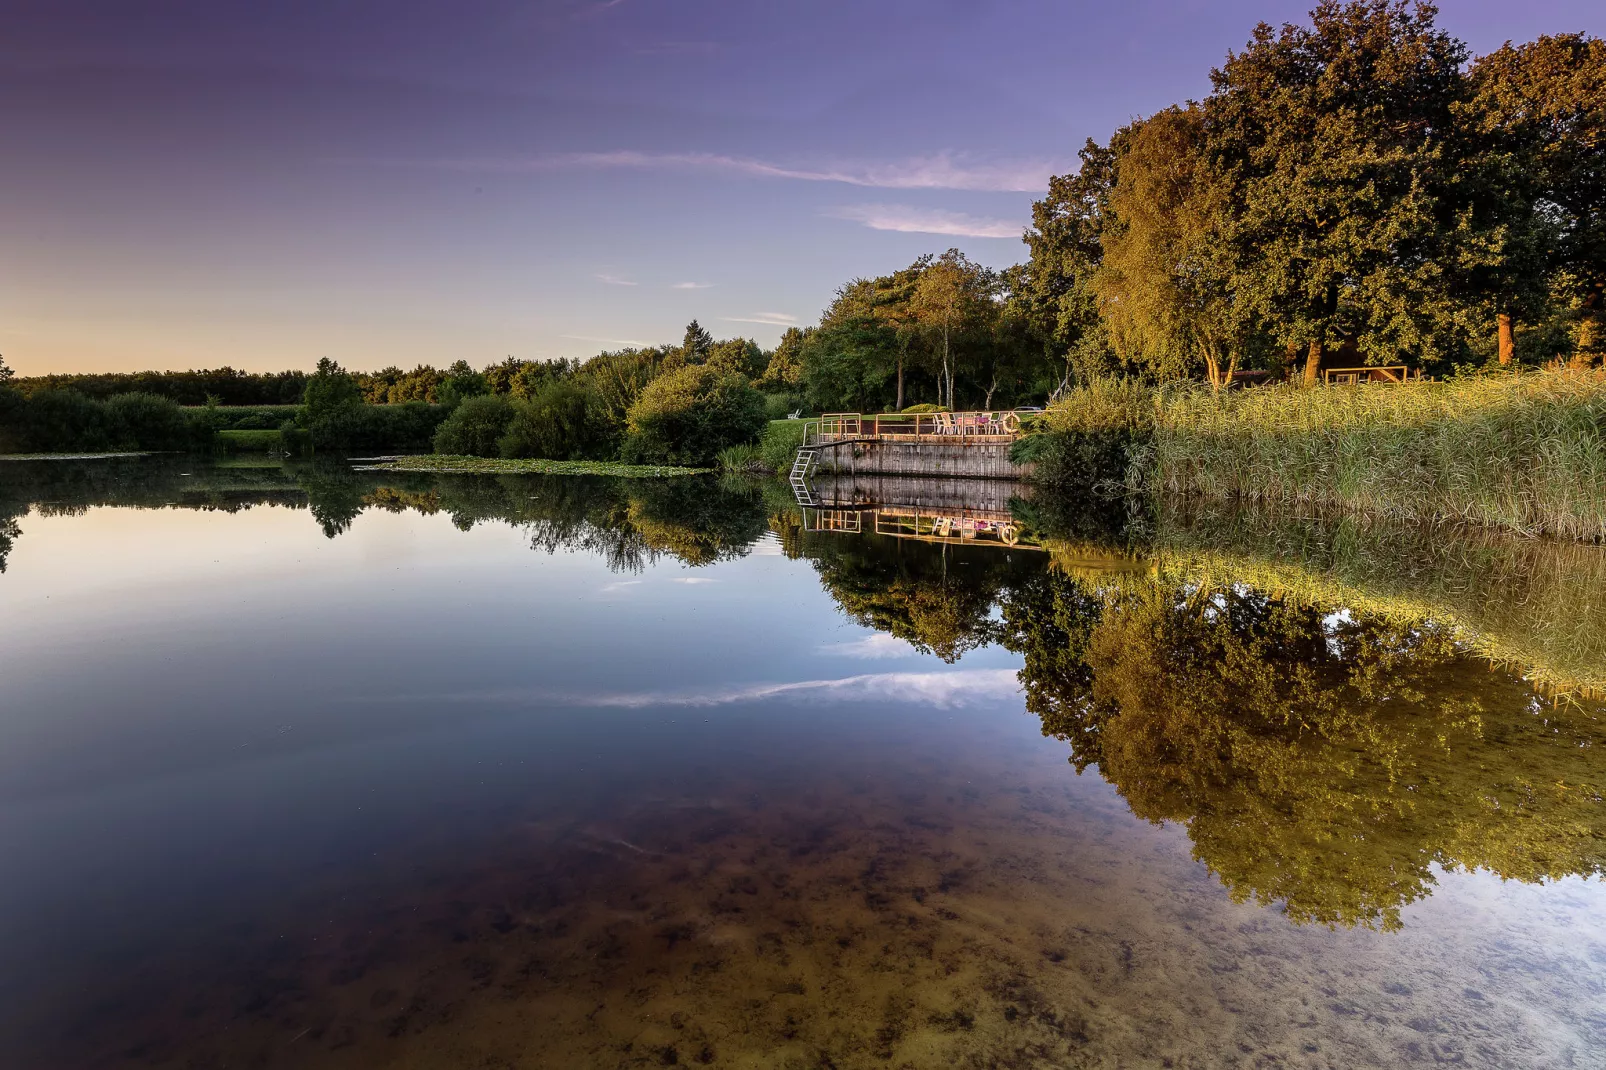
pixel 629 523
pixel 64 488
pixel 1321 760
pixel 937 597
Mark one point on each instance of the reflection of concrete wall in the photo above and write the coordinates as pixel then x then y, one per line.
pixel 965 460
pixel 958 495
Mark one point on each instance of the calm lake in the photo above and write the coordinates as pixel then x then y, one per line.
pixel 312 766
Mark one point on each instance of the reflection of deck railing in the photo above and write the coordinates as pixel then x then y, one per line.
pixel 848 520
pixel 945 427
pixel 971 527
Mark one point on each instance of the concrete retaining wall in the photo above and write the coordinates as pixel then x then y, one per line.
pixel 958 495
pixel 968 461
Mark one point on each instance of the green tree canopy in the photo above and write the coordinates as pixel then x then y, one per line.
pixel 1066 244
pixel 741 356
pixel 1163 285
pixel 696 345
pixel 462 381
pixel 951 304
pixel 564 420
pixel 1537 114
pixel 1330 143
pixel 475 427
pixel 689 415
pixel 784 370
pixel 330 391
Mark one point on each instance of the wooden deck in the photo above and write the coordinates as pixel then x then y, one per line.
pixel 945 428
pixel 947 444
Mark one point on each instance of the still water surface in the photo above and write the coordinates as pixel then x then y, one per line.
pixel 322 768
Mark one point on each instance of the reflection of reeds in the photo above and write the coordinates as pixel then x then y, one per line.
pixel 1092 564
pixel 1522 452
pixel 1535 603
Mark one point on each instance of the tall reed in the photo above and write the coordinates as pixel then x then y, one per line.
pixel 1525 453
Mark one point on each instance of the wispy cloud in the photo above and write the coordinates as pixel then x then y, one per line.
pixel 678 48
pixel 944 170
pixel 879 645
pixel 772 319
pixel 613 280
pixel 954 687
pixel 595 8
pixel 945 689
pixel 691 286
pixel 911 220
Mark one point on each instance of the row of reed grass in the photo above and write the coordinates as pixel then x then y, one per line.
pixel 1520 452
pixel 1102 405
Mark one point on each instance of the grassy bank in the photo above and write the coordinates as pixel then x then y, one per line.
pixel 246 417
pixel 243 441
pixel 530 466
pixel 1521 453
pixel 772 453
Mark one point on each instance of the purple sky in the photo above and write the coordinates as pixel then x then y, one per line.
pixel 213 181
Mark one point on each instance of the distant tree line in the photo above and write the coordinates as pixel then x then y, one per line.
pixel 671 404
pixel 53 421
pixel 225 386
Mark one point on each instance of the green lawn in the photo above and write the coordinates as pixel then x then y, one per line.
pixel 248 441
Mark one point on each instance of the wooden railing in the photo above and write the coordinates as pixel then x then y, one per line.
pixel 1394 373
pixel 999 426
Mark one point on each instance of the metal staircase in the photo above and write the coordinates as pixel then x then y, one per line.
pixel 804 461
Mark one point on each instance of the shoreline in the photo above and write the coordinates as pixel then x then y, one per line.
pixel 450 464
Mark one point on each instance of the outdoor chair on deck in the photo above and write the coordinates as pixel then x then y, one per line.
pixel 945 423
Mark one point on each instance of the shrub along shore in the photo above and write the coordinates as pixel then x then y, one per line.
pixel 1517 452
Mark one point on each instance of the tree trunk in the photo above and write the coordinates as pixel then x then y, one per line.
pixel 1212 366
pixel 988 404
pixel 1313 362
pixel 899 406
pixel 1508 341
pixel 1591 336
pixel 946 377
